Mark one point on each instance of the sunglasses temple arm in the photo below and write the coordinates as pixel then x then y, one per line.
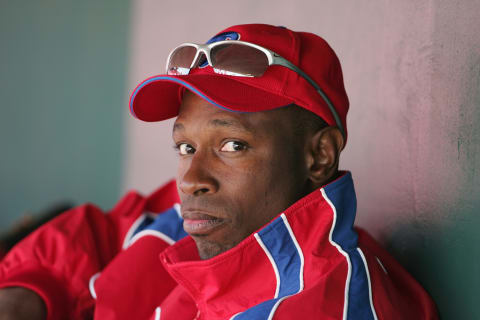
pixel 283 62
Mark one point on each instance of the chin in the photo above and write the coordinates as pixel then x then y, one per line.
pixel 208 249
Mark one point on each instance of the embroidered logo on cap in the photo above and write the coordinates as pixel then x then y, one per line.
pixel 225 36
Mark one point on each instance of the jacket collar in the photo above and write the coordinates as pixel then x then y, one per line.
pixel 270 263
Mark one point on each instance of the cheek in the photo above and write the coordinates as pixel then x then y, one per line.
pixel 240 178
pixel 182 167
pixel 254 188
pixel 245 183
pixel 284 175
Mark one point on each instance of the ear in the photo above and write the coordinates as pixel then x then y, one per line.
pixel 323 154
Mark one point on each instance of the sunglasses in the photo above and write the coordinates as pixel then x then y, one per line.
pixel 236 58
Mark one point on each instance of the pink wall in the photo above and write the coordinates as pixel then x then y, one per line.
pixel 406 69
pixel 412 74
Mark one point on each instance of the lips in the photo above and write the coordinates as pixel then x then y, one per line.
pixel 198 223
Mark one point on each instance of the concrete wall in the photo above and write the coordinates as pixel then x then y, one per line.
pixel 412 71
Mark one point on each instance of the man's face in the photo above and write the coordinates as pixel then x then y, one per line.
pixel 237 171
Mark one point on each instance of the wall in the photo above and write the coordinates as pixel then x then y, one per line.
pixel 437 239
pixel 62 89
pixel 412 71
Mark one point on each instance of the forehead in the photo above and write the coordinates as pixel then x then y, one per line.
pixel 195 111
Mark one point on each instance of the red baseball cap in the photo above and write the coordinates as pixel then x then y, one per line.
pixel 158 98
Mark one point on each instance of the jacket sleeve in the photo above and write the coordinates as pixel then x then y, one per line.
pixel 59 259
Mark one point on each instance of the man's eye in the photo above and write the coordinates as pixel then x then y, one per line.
pixel 232 146
pixel 185 148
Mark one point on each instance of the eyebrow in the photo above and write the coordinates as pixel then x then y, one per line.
pixel 228 123
pixel 178 127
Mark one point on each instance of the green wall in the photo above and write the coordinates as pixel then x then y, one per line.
pixel 62 89
pixel 441 245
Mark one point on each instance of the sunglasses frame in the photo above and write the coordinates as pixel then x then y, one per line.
pixel 273 59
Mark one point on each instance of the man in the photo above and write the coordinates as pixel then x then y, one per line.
pixel 261 120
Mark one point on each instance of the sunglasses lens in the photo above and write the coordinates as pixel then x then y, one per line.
pixel 239 59
pixel 181 60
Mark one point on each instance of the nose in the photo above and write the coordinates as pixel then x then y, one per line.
pixel 196 179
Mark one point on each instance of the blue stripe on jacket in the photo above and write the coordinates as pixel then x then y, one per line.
pixel 341 195
pixel 288 262
pixel 167 222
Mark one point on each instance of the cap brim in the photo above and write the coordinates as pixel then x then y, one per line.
pixel 159 97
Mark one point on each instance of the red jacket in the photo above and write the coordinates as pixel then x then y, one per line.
pixel 133 263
